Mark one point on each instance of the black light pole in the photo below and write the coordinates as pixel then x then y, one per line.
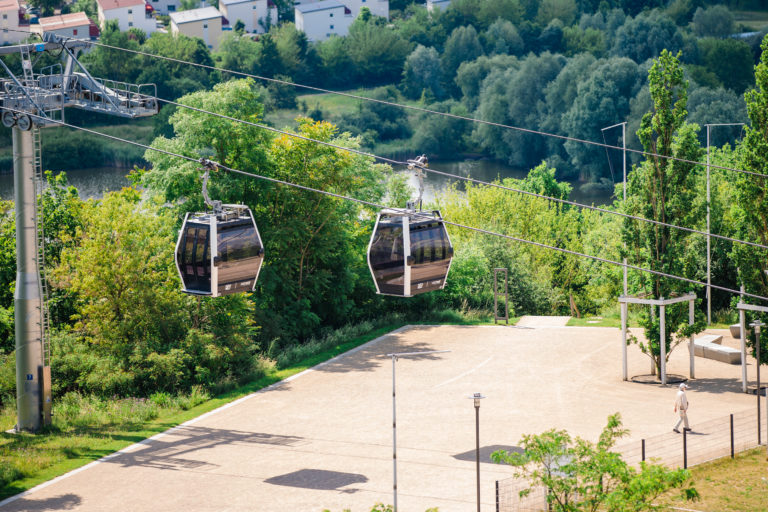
pixel 477 397
pixel 756 326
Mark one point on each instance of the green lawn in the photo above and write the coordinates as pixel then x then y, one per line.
pixel 755 20
pixel 729 485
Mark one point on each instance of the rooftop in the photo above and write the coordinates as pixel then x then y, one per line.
pixel 234 2
pixel 206 13
pixel 115 4
pixel 60 21
pixel 319 6
pixel 6 5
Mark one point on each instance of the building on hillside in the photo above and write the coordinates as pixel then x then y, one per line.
pixel 377 7
pixel 128 13
pixel 14 26
pixel 437 4
pixel 75 25
pixel 164 6
pixel 255 14
pixel 204 23
pixel 321 20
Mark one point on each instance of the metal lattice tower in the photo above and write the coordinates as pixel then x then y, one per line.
pixel 29 102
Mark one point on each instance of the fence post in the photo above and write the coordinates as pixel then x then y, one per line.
pixel 732 452
pixel 642 450
pixel 497 496
pixel 685 449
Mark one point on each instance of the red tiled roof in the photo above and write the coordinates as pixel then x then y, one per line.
pixel 60 21
pixel 114 4
pixel 7 5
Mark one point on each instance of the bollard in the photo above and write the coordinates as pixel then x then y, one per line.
pixel 642 450
pixel 732 451
pixel 685 449
pixel 497 496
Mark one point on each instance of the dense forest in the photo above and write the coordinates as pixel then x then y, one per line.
pixel 121 325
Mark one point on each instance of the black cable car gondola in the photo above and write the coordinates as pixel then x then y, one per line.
pixel 410 251
pixel 219 252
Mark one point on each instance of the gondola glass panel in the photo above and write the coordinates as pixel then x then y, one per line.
pixel 406 256
pixel 219 254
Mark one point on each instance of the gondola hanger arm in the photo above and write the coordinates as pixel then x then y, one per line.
pixel 208 166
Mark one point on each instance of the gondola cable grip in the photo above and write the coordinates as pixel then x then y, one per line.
pixel 209 165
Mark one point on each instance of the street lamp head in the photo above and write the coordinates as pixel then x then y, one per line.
pixel 476 397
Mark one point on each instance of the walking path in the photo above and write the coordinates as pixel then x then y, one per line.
pixel 324 438
pixel 543 321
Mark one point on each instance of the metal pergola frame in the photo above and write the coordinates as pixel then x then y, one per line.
pixel 743 308
pixel 662 303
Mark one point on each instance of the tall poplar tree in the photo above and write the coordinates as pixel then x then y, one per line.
pixel 663 189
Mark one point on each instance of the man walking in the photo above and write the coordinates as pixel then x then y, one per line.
pixel 681 406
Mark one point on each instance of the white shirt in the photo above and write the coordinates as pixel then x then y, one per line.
pixel 681 401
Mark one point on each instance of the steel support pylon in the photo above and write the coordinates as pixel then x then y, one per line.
pixel 27 300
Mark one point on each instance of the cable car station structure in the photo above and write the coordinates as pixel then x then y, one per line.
pixel 28 102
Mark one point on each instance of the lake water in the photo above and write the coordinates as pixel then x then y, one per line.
pixel 93 183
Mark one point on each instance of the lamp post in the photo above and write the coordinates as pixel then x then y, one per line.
pixel 624 166
pixel 394 357
pixel 477 397
pixel 709 237
pixel 756 326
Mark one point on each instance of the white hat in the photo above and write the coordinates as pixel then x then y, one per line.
pixel 683 385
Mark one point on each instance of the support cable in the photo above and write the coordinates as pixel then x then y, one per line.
pixel 405 212
pixel 463 178
pixel 423 110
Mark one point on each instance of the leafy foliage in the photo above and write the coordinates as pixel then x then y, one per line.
pixel 583 476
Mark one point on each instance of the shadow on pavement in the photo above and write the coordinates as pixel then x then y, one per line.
pixel 485 453
pixel 63 502
pixel 176 450
pixel 319 479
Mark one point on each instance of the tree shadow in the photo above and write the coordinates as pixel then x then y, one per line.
pixel 319 479
pixel 62 502
pixel 371 357
pixel 176 450
pixel 717 385
pixel 485 453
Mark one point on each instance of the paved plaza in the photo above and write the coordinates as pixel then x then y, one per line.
pixel 323 439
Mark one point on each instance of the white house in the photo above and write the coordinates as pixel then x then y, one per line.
pixel 250 12
pixel 75 25
pixel 377 7
pixel 204 23
pixel 439 4
pixel 164 6
pixel 12 21
pixel 321 20
pixel 128 13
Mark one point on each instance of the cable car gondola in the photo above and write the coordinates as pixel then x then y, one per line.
pixel 219 252
pixel 410 251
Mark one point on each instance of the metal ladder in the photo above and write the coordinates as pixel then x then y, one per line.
pixel 40 237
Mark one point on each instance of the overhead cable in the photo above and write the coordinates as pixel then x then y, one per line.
pixel 465 178
pixel 405 212
pixel 426 110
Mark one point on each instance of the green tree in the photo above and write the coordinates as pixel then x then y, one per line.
pixel 422 73
pixel 337 66
pixel 563 10
pixel 602 100
pixel 378 52
pixel 645 36
pixel 583 476
pixel 377 121
pixel 470 75
pixel 502 38
pixel 113 64
pixel 463 45
pixel 714 21
pixel 751 192
pixel 46 6
pixel 730 60
pixel 175 79
pixel 441 135
pixel 89 7
pixel 663 190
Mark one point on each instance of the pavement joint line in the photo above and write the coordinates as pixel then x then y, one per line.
pixel 170 431
pixel 471 370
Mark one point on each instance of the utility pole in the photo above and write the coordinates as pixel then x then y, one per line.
pixel 29 102
pixel 624 167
